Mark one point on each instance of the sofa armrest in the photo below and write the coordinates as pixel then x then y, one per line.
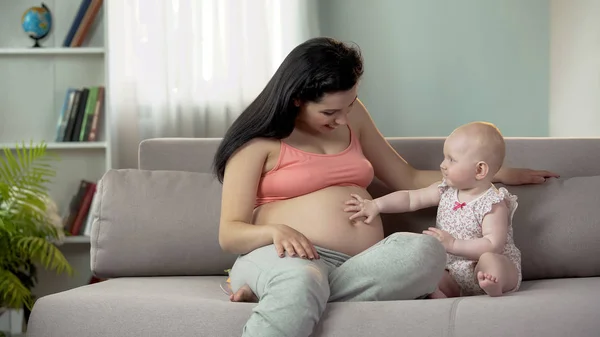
pixel 151 223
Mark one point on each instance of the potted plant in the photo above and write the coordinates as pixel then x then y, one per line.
pixel 27 232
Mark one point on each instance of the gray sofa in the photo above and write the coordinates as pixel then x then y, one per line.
pixel 155 237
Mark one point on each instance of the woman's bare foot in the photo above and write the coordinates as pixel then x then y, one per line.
pixel 244 294
pixel 437 294
pixel 489 284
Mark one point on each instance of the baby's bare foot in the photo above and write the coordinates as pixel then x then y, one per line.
pixel 244 294
pixel 489 284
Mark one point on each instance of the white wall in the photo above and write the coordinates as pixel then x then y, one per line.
pixel 575 68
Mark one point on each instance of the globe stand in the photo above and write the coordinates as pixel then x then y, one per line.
pixel 37 40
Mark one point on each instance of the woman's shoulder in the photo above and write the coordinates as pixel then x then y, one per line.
pixel 357 117
pixel 254 156
pixel 258 152
pixel 260 145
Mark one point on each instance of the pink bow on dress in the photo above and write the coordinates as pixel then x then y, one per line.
pixel 458 205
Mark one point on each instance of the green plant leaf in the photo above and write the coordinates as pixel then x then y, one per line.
pixel 39 249
pixel 26 233
pixel 12 292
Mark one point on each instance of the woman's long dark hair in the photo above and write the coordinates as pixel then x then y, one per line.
pixel 316 67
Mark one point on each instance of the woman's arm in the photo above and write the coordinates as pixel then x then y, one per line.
pixel 237 234
pixel 397 174
pixel 389 166
pixel 519 176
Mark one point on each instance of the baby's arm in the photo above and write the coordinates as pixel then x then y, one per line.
pixel 396 202
pixel 494 228
pixel 410 200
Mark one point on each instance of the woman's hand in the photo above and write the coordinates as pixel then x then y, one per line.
pixel 519 176
pixel 363 208
pixel 287 239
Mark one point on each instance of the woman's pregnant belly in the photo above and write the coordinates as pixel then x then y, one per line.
pixel 320 216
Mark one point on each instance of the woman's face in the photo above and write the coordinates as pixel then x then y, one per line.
pixel 329 113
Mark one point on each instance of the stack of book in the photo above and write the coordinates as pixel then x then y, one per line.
pixel 88 9
pixel 77 219
pixel 80 114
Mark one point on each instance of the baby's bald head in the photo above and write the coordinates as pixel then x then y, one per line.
pixel 484 142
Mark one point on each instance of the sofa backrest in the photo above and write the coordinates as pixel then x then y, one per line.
pixel 169 208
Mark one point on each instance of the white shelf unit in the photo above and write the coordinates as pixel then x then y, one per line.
pixel 61 145
pixel 77 239
pixel 52 51
pixel 33 84
pixel 73 240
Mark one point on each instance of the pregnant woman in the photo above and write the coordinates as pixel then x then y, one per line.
pixel 288 164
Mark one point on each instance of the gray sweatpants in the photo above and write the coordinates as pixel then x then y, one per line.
pixel 293 291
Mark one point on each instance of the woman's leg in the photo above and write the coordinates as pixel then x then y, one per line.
pixel 292 292
pixel 400 267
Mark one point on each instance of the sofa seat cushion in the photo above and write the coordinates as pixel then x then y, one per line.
pixel 196 306
pixel 140 306
pixel 551 308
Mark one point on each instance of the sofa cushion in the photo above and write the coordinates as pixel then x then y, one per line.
pixel 557 228
pixel 157 223
pixel 566 307
pixel 195 306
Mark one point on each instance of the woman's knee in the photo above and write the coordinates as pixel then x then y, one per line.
pixel 424 245
pixel 303 290
pixel 244 272
pixel 294 298
pixel 434 250
pixel 303 280
pixel 415 262
pixel 427 253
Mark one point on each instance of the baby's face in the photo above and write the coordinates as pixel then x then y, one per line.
pixel 460 164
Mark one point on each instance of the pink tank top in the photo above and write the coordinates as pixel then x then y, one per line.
pixel 299 172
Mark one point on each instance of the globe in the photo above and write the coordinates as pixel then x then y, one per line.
pixel 36 22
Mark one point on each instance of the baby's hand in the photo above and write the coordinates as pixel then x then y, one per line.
pixel 444 237
pixel 363 208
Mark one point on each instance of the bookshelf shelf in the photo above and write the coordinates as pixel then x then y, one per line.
pixel 77 239
pixel 34 86
pixel 61 145
pixel 52 51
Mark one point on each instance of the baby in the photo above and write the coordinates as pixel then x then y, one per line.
pixel 474 218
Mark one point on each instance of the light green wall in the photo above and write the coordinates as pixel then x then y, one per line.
pixel 431 65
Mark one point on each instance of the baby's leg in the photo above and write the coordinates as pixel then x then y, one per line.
pixel 437 294
pixel 446 288
pixel 496 274
pixel 449 286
